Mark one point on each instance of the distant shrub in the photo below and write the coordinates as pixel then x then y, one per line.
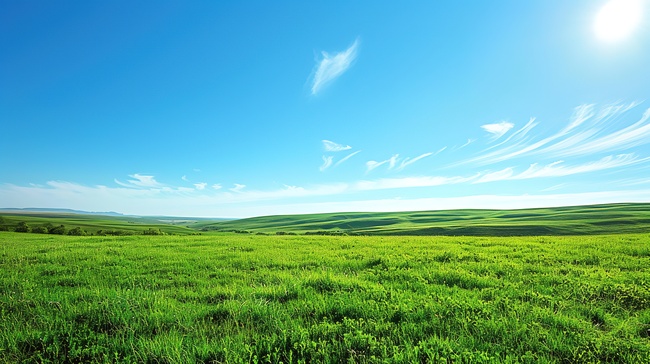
pixel 210 228
pixel 22 227
pixel 114 232
pixel 58 230
pixel 152 231
pixel 328 233
pixel 238 231
pixel 39 230
pixel 77 232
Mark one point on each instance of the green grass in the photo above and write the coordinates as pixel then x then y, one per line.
pixel 93 223
pixel 574 220
pixel 237 298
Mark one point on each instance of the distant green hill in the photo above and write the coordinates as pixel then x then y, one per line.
pixel 576 220
pixel 93 223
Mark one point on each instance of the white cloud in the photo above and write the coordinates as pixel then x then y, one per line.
pixel 200 186
pixel 469 141
pixel 347 157
pixel 184 178
pixel 629 137
pixel 330 146
pixel 501 175
pixel 238 187
pixel 142 181
pixel 498 130
pixel 392 161
pixel 408 161
pixel 440 150
pixel 555 187
pixel 370 165
pixel 333 66
pixel 518 135
pixel 589 131
pixel 217 186
pixel 327 162
pixel 560 169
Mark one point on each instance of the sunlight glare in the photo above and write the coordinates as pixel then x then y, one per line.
pixel 617 19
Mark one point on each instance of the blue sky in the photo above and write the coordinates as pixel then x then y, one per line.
pixel 234 109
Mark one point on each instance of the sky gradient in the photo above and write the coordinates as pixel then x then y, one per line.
pixel 219 109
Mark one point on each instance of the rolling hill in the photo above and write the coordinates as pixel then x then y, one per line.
pixel 575 220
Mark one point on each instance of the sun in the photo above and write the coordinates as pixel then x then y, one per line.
pixel 617 19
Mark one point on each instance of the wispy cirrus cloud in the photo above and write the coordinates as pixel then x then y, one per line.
pixel 331 146
pixel 347 157
pixel 370 165
pixel 561 169
pixel 518 135
pixel 392 161
pixel 327 162
pixel 555 187
pixel 332 66
pixel 237 188
pixel 457 147
pixel 589 131
pixel 501 175
pixel 140 180
pixel 408 161
pixel 587 142
pixel 497 130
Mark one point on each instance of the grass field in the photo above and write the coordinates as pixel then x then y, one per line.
pixel 572 220
pixel 237 298
pixel 92 224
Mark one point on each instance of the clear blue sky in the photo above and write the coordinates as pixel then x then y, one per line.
pixel 232 109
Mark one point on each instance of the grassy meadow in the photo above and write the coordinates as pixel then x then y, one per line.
pixel 571 220
pixel 245 298
pixel 94 224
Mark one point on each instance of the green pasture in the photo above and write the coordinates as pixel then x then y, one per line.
pixel 245 298
pixel 574 220
pixel 92 224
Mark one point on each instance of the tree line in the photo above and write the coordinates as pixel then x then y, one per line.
pixel 49 228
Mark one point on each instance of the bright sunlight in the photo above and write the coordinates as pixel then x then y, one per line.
pixel 617 19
